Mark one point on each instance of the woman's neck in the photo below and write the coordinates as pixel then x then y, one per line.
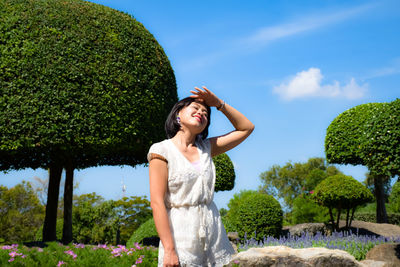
pixel 184 139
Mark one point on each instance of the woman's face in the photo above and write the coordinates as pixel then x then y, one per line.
pixel 194 116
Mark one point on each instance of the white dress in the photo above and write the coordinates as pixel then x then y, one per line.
pixel 199 235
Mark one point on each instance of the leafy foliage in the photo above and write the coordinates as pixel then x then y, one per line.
pixel 21 213
pixel 253 212
pixel 94 220
pixel 369 135
pixel 225 173
pixel 131 212
pixel 394 197
pixel 305 210
pixel 79 82
pixel 341 192
pixel 289 181
pixel 147 229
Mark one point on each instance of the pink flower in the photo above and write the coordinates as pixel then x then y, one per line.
pixel 138 261
pixel 40 249
pixel 79 245
pixel 137 246
pixel 312 192
pixel 60 263
pixel 70 252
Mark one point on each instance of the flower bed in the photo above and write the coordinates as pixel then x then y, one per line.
pixel 56 254
pixel 355 244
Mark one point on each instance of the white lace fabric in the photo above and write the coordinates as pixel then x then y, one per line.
pixel 199 235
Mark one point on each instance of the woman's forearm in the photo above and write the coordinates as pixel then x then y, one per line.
pixel 162 225
pixel 238 120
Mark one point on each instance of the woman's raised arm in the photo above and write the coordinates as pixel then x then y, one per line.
pixel 243 126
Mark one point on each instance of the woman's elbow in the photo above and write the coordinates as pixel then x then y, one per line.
pixel 156 205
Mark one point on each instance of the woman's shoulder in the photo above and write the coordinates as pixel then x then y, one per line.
pixel 159 145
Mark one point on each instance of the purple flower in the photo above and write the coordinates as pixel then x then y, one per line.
pixel 60 263
pixel 11 260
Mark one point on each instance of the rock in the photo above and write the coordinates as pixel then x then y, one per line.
pixel 371 263
pixel 233 236
pixel 285 256
pixel 389 253
pixel 310 228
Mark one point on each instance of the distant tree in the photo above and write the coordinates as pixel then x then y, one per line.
pixel 81 85
pixel 305 210
pixel 369 135
pixel 394 198
pixel 21 213
pixel 341 193
pixel 95 219
pixel 289 181
pixel 225 173
pixel 131 213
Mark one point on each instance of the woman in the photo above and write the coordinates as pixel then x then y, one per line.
pixel 182 178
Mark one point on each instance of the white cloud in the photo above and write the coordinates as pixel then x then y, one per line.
pixel 304 24
pixel 307 83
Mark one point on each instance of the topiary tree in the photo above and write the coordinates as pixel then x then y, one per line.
pixel 369 135
pixel 225 173
pixel 255 213
pixel 394 197
pixel 341 192
pixel 81 85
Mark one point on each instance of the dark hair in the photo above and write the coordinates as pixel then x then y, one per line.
pixel 171 124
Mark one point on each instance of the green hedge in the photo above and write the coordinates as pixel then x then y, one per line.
pixel 252 211
pixel 225 173
pixel 147 229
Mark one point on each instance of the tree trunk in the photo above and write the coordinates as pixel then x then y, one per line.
pixel 50 220
pixel 381 215
pixel 332 220
pixel 68 193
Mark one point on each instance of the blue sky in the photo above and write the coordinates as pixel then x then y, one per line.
pixel 290 66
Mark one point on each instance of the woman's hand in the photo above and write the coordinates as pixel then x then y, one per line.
pixel 170 258
pixel 206 96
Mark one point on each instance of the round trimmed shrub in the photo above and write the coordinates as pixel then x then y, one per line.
pixel 341 191
pixel 225 173
pixel 259 215
pixel 146 230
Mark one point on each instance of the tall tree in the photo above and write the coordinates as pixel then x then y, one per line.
pixel 289 181
pixel 81 85
pixel 368 135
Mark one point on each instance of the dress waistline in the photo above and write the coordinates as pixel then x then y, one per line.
pixel 202 209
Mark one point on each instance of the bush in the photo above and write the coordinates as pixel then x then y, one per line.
pixel 305 210
pixel 147 229
pixel 341 192
pixel 394 198
pixel 225 173
pixel 257 213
